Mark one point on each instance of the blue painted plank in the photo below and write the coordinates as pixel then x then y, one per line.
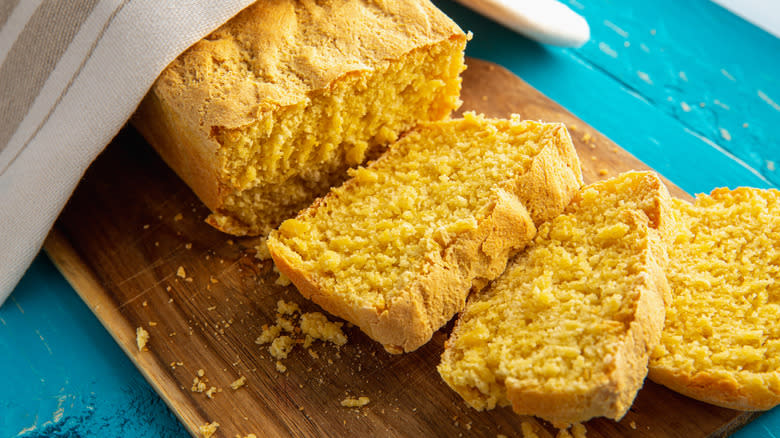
pixel 64 376
pixel 641 80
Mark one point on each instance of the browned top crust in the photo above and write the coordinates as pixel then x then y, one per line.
pixel 276 51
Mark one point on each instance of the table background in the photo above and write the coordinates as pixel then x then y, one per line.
pixel 687 87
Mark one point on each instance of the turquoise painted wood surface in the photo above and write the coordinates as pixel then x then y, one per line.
pixel 685 86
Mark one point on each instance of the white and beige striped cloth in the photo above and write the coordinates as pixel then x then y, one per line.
pixel 71 74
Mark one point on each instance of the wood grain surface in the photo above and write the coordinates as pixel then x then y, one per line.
pixel 132 224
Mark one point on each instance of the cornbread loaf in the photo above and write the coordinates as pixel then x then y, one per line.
pixel 566 332
pixel 396 249
pixel 721 343
pixel 268 111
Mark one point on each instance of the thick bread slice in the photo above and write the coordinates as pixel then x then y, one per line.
pixel 721 343
pixel 565 333
pixel 396 249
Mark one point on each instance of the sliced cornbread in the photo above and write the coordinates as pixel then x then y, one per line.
pixel 396 249
pixel 268 111
pixel 721 343
pixel 566 331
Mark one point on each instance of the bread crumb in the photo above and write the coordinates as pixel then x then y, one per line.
pixel 181 273
pixel 527 428
pixel 268 334
pixel 282 280
pixel 213 280
pixel 188 279
pixel 262 252
pixel 281 347
pixel 563 433
pixel 145 303
pixel 586 137
pixel 352 402
pixel 286 308
pixel 280 367
pixel 178 217
pixel 313 354
pixel 141 338
pixel 317 326
pixel 603 172
pixel 211 308
pixel 198 385
pixel 285 324
pixel 632 424
pixel 201 373
pixel 152 324
pixel 208 429
pixel 146 226
pixel 579 430
pixel 241 381
pixel 211 391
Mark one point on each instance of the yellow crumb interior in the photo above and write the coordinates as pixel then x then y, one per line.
pixel 723 273
pixel 554 319
pixel 293 154
pixel 369 238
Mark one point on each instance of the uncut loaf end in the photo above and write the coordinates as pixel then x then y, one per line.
pixel 269 110
pixel 565 333
pixel 396 249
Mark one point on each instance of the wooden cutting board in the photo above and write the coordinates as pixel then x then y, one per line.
pixel 132 224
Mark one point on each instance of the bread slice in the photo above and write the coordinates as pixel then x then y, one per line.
pixel 268 111
pixel 396 249
pixel 566 332
pixel 721 343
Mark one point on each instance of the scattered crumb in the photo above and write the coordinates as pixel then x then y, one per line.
pixel 745 125
pixel 230 241
pixel 579 430
pixel 563 433
pixel 198 385
pixel 281 347
pixel 632 424
pixel 287 308
pixel 317 326
pixel 313 354
pixel 268 334
pixel 208 429
pixel 251 435
pixel 156 243
pixel 262 252
pixel 188 245
pixel 285 324
pixel 702 104
pixel 213 280
pixel 501 435
pixel 145 303
pixel 352 402
pixel 770 165
pixel 211 391
pixel 170 300
pixel 586 137
pixel 572 127
pixel 152 324
pixel 146 226
pixel 528 430
pixel 211 308
pixel 201 373
pixel 181 273
pixel 178 217
pixel 282 280
pixel 725 134
pixel 241 381
pixel 280 367
pixel 141 338
pixel 188 279
pixel 603 172
pixel 167 288
pixel 615 149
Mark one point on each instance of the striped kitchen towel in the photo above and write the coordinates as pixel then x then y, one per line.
pixel 71 74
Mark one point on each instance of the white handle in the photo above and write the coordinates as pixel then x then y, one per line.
pixel 546 21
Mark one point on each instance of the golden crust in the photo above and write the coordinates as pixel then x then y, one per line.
pixel 271 55
pixel 474 258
